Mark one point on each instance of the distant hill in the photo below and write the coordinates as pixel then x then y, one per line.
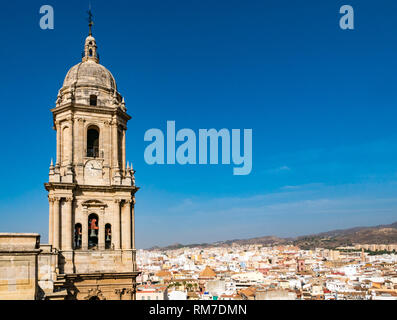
pixel 382 234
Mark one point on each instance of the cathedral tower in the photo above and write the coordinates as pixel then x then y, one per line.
pixel 91 188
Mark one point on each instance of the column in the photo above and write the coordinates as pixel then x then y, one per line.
pixel 67 224
pixel 101 231
pixel 83 137
pixel 134 266
pixel 51 221
pixel 58 129
pixel 78 142
pixel 123 151
pixel 70 146
pixel 56 214
pixel 126 225
pixel 107 136
pixel 115 149
pixel 133 222
pixel 84 226
pixel 116 224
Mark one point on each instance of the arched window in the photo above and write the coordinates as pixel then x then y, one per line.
pixel 90 53
pixel 77 236
pixel 93 142
pixel 108 236
pixel 93 100
pixel 93 230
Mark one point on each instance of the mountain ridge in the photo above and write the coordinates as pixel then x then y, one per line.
pixel 380 234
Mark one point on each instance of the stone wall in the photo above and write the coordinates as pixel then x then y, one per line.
pixel 19 266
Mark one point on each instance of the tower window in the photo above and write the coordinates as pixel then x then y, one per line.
pixel 93 100
pixel 93 142
pixel 108 236
pixel 77 236
pixel 93 231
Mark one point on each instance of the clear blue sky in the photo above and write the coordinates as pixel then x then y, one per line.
pixel 322 104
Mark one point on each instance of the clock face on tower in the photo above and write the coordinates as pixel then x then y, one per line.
pixel 93 168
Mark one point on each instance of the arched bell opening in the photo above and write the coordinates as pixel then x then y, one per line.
pixel 77 236
pixel 108 236
pixel 93 231
pixel 93 142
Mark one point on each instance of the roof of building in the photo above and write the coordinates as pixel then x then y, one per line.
pixel 163 273
pixel 207 273
pixel 89 72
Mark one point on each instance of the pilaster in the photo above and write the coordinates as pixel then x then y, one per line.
pixel 67 224
pixel 116 224
pixel 126 225
pixel 56 214
pixel 51 221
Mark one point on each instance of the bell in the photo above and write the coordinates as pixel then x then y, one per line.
pixel 93 233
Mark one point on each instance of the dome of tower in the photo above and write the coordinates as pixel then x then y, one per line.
pixel 91 74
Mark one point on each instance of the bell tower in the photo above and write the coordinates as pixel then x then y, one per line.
pixel 91 188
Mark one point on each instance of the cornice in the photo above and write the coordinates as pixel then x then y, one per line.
pixel 74 186
pixel 85 108
pixel 101 275
pixel 108 188
pixel 59 185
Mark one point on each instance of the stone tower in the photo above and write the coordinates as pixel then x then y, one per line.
pixel 91 189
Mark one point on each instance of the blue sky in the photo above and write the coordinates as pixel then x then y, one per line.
pixel 321 102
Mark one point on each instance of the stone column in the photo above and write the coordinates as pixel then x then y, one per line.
pixel 51 221
pixel 101 231
pixel 107 135
pixel 115 149
pixel 59 141
pixel 57 226
pixel 83 137
pixel 116 230
pixel 126 225
pixel 123 151
pixel 78 143
pixel 84 226
pixel 67 224
pixel 134 265
pixel 133 222
pixel 70 144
